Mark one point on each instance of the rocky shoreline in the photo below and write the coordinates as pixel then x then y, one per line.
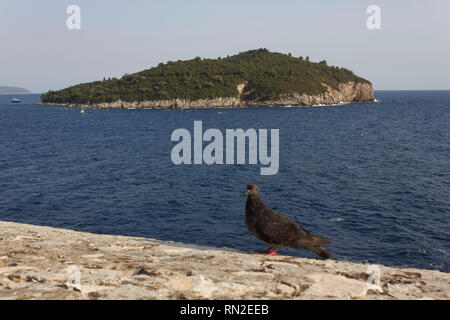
pixel 347 92
pixel 47 263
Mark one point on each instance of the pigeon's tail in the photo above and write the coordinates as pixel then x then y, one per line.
pixel 320 252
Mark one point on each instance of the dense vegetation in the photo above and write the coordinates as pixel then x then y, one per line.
pixel 268 75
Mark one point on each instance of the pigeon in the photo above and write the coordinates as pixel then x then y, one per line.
pixel 277 231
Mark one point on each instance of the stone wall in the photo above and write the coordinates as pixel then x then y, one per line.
pixel 42 263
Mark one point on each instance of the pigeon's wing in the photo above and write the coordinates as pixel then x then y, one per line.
pixel 274 228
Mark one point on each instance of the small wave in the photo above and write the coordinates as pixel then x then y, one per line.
pixel 317 105
pixel 334 104
pixel 340 103
pixel 337 219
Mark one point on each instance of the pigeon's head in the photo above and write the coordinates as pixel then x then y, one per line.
pixel 252 190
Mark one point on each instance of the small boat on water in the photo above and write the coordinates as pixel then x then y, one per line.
pixel 15 100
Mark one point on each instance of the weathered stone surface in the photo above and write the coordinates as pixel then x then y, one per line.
pixel 335 286
pixel 35 263
pixel 347 92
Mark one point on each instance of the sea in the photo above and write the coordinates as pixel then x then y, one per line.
pixel 373 177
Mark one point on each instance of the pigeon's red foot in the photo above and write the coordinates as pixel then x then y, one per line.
pixel 267 251
pixel 273 253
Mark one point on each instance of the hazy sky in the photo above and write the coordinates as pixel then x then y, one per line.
pixel 38 52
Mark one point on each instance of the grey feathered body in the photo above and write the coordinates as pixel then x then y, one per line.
pixel 276 230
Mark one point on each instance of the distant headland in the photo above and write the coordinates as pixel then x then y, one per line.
pixel 251 78
pixel 13 90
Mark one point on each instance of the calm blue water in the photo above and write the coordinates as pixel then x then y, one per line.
pixel 372 177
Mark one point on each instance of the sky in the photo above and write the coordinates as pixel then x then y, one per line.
pixel 411 51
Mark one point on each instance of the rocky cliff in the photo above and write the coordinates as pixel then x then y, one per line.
pixel 346 92
pixel 47 263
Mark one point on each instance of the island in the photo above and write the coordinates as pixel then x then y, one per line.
pixel 252 78
pixel 13 90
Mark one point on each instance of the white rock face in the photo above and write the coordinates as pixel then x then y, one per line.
pixel 35 260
